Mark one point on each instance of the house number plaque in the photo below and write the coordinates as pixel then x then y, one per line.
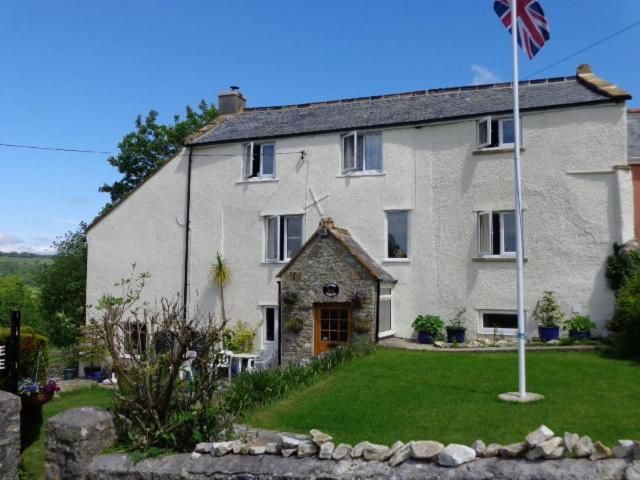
pixel 3 352
pixel 331 289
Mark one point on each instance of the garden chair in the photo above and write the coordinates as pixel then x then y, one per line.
pixel 264 362
pixel 223 360
pixel 186 369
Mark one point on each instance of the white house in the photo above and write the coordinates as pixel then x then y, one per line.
pixel 420 186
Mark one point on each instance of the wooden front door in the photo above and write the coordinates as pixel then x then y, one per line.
pixel 332 326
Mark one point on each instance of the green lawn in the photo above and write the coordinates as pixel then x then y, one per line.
pixel 33 457
pixel 403 395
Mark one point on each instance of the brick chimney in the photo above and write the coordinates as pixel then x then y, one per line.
pixel 231 102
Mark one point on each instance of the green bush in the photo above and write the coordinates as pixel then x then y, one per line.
pixel 15 294
pixel 580 323
pixel 625 324
pixel 431 324
pixel 547 312
pixel 251 389
pixel 30 344
pixel 621 266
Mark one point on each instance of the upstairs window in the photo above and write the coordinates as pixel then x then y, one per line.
pixel 283 237
pixel 362 152
pixel 259 160
pixel 496 233
pixel 397 234
pixel 495 132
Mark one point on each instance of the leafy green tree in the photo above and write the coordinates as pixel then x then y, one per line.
pixel 144 150
pixel 625 324
pixel 15 294
pixel 63 287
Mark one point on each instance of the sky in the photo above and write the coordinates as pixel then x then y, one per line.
pixel 76 73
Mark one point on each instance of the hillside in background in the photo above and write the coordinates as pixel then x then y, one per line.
pixel 26 265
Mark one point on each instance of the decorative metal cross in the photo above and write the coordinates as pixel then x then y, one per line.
pixel 316 202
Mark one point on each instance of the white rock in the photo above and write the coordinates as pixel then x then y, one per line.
pixel 341 451
pixel 556 454
pixel 204 447
pixel 541 434
pixel 195 455
pixel 513 450
pixel 546 448
pixel 623 449
pixel 570 440
pixel 493 450
pixel 403 454
pixel 425 449
pixel 375 453
pixel 633 471
pixel 359 448
pixel 326 451
pixel 319 437
pixel 307 449
pixel 584 447
pixel 287 452
pixel 439 344
pixel 257 449
pixel 454 455
pixel 237 447
pixel 222 448
pixel 479 447
pixel 600 452
pixel 392 450
pixel 271 448
pixel 288 442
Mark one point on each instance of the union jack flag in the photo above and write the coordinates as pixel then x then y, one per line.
pixel 533 29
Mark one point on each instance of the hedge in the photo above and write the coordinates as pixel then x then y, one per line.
pixel 30 344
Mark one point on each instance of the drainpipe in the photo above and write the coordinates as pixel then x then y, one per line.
pixel 279 323
pixel 187 228
pixel 377 309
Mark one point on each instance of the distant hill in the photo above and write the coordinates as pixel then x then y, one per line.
pixel 23 264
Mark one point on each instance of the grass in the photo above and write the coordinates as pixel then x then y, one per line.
pixel 403 395
pixel 33 457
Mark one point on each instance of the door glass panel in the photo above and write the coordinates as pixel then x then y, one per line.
pixel 385 315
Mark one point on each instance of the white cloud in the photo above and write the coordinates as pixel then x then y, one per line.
pixel 482 75
pixel 7 239
pixel 11 243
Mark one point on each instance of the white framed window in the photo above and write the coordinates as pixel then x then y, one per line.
pixel 283 237
pixel 259 160
pixel 385 312
pixel 494 132
pixel 496 234
pixel 270 325
pixel 501 322
pixel 136 337
pixel 362 152
pixel 397 233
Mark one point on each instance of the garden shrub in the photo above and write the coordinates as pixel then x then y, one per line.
pixel 30 344
pixel 625 324
pixel 251 389
pixel 621 266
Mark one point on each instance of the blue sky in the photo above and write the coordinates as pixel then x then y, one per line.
pixel 76 73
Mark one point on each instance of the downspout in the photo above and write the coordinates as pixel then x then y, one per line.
pixel 279 323
pixel 187 228
pixel 377 310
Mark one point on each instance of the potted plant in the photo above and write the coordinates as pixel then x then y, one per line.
pixel 70 359
pixel 293 324
pixel 357 299
pixel 91 351
pixel 549 317
pixel 456 328
pixel 35 394
pixel 428 327
pixel 290 298
pixel 580 327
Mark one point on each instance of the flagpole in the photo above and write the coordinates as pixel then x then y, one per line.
pixel 522 379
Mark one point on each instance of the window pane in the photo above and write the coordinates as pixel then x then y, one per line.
pixel 397 241
pixel 495 133
pixel 483 132
pixel 268 159
pixel 495 241
pixel 385 315
pixel 255 164
pixel 484 234
pixel 348 152
pixel 373 151
pixel 247 160
pixel 272 238
pixel 509 220
pixel 270 324
pixel 500 320
pixel 294 235
pixel 508 135
pixel 360 153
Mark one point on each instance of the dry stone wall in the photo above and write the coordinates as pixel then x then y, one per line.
pixel 10 406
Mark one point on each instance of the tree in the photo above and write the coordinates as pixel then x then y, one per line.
pixel 147 148
pixel 63 287
pixel 221 275
pixel 15 294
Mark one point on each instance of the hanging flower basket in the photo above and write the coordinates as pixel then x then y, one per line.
pixel 34 394
pixel 357 300
pixel 294 324
pixel 290 298
pixel 37 399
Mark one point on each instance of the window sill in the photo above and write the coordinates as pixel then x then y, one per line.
pixel 361 174
pixel 507 332
pixel 490 150
pixel 274 262
pixel 496 259
pixel 396 260
pixel 258 180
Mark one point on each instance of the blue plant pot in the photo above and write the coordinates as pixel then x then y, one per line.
pixel 575 335
pixel 97 376
pixel 547 334
pixel 425 337
pixel 456 335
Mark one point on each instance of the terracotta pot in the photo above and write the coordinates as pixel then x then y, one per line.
pixel 37 399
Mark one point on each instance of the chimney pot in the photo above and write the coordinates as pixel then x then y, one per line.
pixel 231 102
pixel 584 69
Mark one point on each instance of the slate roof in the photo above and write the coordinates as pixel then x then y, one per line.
pixel 345 239
pixel 633 127
pixel 405 109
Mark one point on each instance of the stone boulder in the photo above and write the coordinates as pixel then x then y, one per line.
pixel 326 450
pixel 623 449
pixel 455 455
pixel 341 451
pixel 541 434
pixel 425 449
